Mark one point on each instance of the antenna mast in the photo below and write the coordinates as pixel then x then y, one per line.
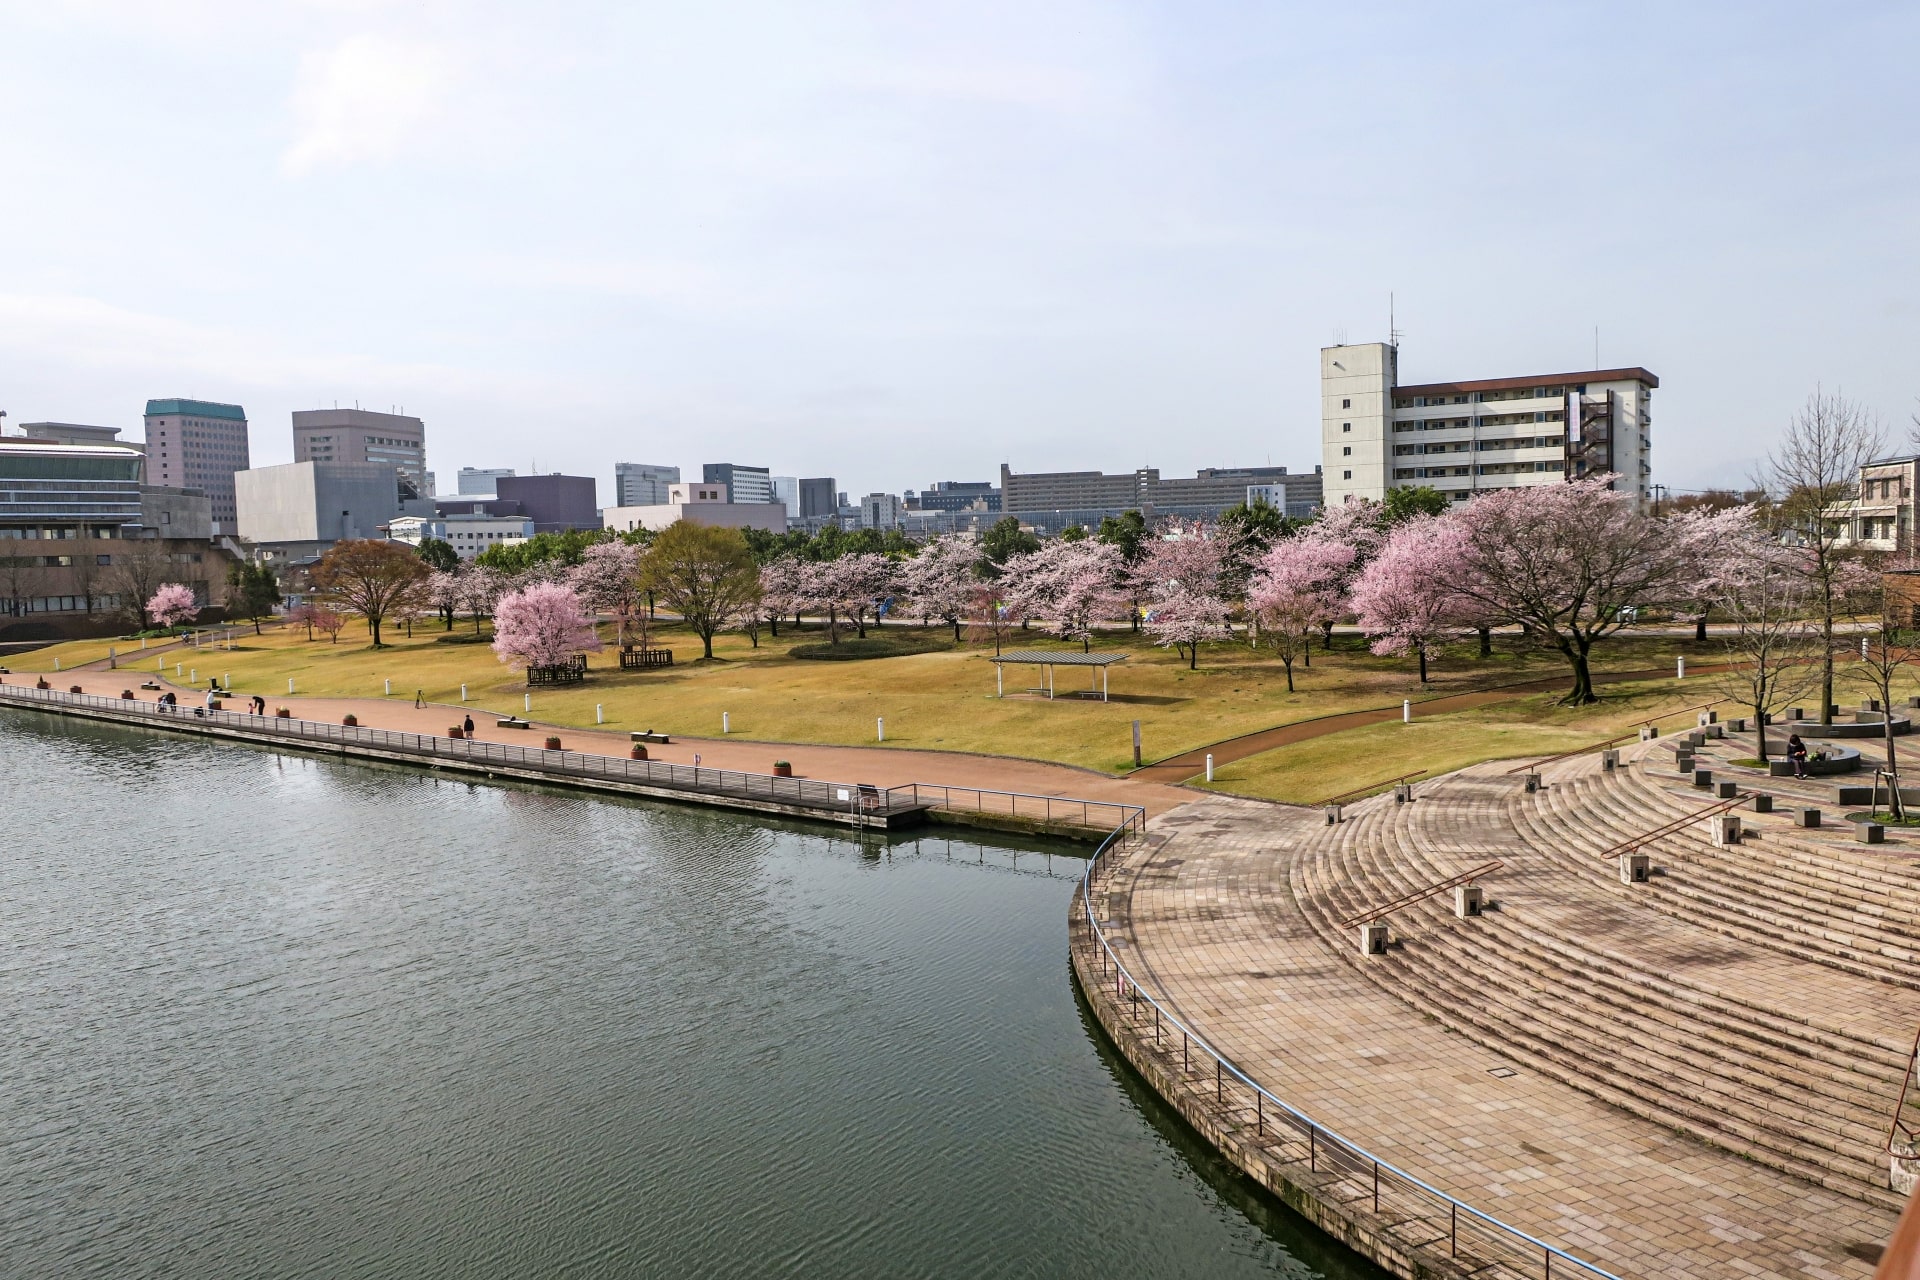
pixel 1393 330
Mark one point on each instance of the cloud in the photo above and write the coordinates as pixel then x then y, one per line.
pixel 368 99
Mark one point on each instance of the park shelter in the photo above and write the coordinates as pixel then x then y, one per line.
pixel 1047 660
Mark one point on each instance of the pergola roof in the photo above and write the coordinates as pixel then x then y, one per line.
pixel 1060 657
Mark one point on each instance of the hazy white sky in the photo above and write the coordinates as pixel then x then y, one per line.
pixel 902 243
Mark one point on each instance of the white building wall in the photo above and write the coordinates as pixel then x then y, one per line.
pixel 1356 386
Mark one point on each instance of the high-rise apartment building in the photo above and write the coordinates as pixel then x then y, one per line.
pixel 198 444
pixel 1052 501
pixel 745 484
pixel 364 436
pixel 481 481
pixel 1464 438
pixel 880 511
pixel 639 484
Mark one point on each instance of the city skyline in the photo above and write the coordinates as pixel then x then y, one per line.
pixel 927 244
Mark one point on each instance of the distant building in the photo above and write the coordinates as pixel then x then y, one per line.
pixel 361 435
pixel 1052 501
pixel 819 498
pixel 555 502
pixel 880 511
pixel 297 510
pixel 468 535
pixel 74 433
pixel 786 492
pixel 639 484
pixel 198 444
pixel 746 484
pixel 1464 438
pixel 479 481
pixel 698 503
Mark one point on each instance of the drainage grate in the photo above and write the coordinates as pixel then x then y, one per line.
pixel 1503 1072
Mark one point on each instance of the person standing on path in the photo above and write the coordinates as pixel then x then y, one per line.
pixel 467 727
pixel 419 699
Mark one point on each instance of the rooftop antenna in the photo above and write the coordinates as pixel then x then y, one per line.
pixel 1596 348
pixel 1393 331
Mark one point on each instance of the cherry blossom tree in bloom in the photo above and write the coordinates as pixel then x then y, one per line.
pixel 783 589
pixel 542 626
pixel 1180 578
pixel 1360 527
pixel 481 587
pixel 607 579
pixel 1403 598
pixel 172 604
pixel 443 591
pixel 941 580
pixel 1069 583
pixel 1299 584
pixel 1183 620
pixel 851 586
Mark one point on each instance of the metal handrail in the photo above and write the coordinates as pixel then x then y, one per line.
pixel 1422 894
pixel 1673 827
pixel 1373 786
pixel 1899 1127
pixel 1317 1134
pixel 1618 737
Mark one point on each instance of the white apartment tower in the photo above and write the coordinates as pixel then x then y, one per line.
pixel 1464 438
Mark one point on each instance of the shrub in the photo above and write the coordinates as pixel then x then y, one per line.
pixel 463 637
pixel 350 719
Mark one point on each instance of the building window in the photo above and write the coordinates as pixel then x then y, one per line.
pixel 1346 450
pixel 1346 426
pixel 1346 475
pixel 1346 404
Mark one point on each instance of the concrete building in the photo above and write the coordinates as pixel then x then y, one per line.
pixel 360 435
pixel 640 484
pixel 786 492
pixel 1464 438
pixel 81 539
pixel 555 502
pixel 480 481
pixel 1881 516
pixel 1052 501
pixel 880 511
pixel 297 510
pixel 468 535
pixel 75 433
pixel 698 503
pixel 198 444
pixel 955 495
pixel 746 484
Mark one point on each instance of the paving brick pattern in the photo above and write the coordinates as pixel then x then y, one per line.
pixel 1684 1078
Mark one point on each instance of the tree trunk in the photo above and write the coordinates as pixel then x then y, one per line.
pixel 1760 735
pixel 1826 665
pixel 1423 664
pixel 1486 642
pixel 1895 808
pixel 1288 663
pixel 860 622
pixel 833 625
pixel 706 638
pixel 1326 637
pixel 1700 629
pixel 373 624
pixel 1193 656
pixel 956 630
pixel 1582 693
pixel 256 627
pixel 773 621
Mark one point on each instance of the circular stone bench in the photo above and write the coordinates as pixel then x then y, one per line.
pixel 1839 759
pixel 1873 728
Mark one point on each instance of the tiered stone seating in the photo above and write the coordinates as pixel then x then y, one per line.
pixel 1682 1007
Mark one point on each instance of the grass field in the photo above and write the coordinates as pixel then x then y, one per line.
pixel 945 700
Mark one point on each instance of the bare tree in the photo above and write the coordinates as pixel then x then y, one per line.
pixel 19 579
pixel 1814 468
pixel 1763 590
pixel 139 571
pixel 1884 654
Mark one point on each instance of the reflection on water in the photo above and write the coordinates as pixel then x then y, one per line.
pixel 272 1016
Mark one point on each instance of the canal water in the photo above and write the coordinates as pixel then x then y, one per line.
pixel 271 1016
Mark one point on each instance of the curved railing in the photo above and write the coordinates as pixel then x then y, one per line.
pixel 1326 1150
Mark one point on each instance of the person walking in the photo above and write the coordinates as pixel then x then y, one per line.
pixel 467 727
pixel 419 699
pixel 1797 752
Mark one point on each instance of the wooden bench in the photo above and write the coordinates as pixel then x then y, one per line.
pixel 648 735
pixel 513 722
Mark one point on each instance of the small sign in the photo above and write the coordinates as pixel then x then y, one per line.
pixel 844 795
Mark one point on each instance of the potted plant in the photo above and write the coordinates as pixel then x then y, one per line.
pixel 42 684
pixel 639 751
pixel 74 688
pixel 281 713
pixel 455 731
pixel 782 769
pixel 350 719
pixel 126 693
pixel 553 743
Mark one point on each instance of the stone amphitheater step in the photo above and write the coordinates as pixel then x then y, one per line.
pixel 1766 1096
pixel 1739 1118
pixel 1771 922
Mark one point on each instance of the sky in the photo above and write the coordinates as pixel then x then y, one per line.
pixel 903 243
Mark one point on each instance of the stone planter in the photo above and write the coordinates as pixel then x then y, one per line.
pixel 350 720
pixel 782 769
pixel 41 684
pixel 74 688
pixel 639 752
pixel 1903 1167
pixel 553 744
pixel 126 693
pixel 281 713
pixel 455 731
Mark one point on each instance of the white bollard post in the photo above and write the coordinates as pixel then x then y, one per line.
pixel 1863 646
pixel 389 685
pixel 1406 711
pixel 880 727
pixel 289 684
pixel 226 678
pixel 56 664
pixel 193 675
pixel 143 642
pixel 463 693
pixel 527 703
pixel 726 722
pixel 999 681
pixel 599 715
pixel 1209 766
pixel 1680 667
pixel 179 669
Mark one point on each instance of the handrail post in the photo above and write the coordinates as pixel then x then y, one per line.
pixel 1376 1186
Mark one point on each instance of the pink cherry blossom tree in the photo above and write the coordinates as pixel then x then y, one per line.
pixel 1299 584
pixel 1068 583
pixel 783 589
pixel 1402 597
pixel 941 580
pixel 542 626
pixel 853 585
pixel 481 587
pixel 1360 527
pixel 607 580
pixel 1183 620
pixel 172 604
pixel 443 591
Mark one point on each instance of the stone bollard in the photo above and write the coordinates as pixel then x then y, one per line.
pixel 1723 829
pixel 1725 790
pixel 1780 768
pixel 1709 717
pixel 1914 701
pixel 1609 759
pixel 1703 778
pixel 1373 938
pixel 1903 1167
pixel 1533 782
pixel 1648 732
pixel 1806 816
pixel 1684 762
pixel 1698 738
pixel 1737 725
pixel 1796 713
pixel 1870 704
pixel 1848 797
pixel 1467 900
pixel 1403 793
pixel 1869 833
pixel 1635 868
pixel 1716 731
pixel 1333 814
pixel 1762 802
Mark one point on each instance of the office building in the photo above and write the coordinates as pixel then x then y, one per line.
pixel 1052 501
pixel 554 502
pixel 955 495
pixel 1468 437
pixel 819 498
pixel 638 484
pixel 480 481
pixel 698 503
pixel 468 535
pixel 198 444
pixel 745 484
pixel 74 433
pixel 786 492
pixel 81 538
pixel 363 436
pixel 880 511
pixel 297 510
